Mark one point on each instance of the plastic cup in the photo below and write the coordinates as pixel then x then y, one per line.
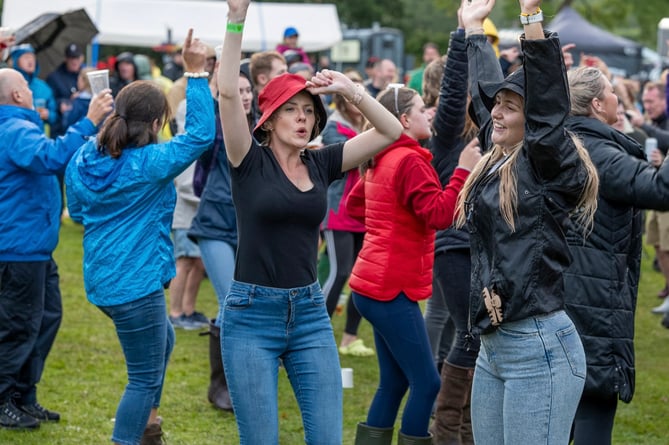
pixel 99 80
pixel 347 377
pixel 651 146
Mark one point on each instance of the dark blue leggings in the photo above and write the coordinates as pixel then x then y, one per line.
pixel 405 362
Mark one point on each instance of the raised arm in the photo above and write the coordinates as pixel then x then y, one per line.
pixel 447 142
pixel 547 102
pixel 483 63
pixel 233 118
pixel 534 30
pixel 365 145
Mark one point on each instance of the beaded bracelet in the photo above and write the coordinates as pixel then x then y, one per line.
pixel 196 75
pixel 525 14
pixel 358 95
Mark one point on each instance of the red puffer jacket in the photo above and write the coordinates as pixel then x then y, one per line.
pixel 402 203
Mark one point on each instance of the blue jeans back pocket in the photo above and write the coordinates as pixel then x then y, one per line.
pixel 573 349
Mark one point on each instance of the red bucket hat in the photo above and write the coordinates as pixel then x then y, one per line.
pixel 277 92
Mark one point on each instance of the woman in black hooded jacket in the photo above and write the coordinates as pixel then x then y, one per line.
pixel 602 282
pixel 453 129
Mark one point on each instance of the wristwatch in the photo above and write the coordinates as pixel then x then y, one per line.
pixel 533 18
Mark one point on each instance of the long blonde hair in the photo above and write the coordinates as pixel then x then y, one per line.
pixel 586 207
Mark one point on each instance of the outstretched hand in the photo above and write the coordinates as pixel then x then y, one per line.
pixel 7 41
pixel 237 9
pixel 100 106
pixel 567 56
pixel 529 6
pixel 329 82
pixel 474 12
pixel 194 53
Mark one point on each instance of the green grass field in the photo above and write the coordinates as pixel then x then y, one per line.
pixel 85 375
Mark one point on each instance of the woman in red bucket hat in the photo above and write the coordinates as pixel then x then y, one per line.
pixel 275 309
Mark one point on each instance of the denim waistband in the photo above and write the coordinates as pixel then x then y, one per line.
pixel 556 319
pixel 258 290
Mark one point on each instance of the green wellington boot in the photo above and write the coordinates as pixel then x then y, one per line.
pixel 403 439
pixel 370 435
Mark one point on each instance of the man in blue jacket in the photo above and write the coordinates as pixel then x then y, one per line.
pixel 24 61
pixel 30 204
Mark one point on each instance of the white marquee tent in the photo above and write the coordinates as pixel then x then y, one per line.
pixel 146 23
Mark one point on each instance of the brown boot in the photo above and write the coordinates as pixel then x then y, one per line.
pixel 466 435
pixel 153 435
pixel 218 393
pixel 451 400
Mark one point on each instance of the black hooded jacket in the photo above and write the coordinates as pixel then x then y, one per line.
pixel 446 143
pixel 602 281
pixel 115 82
pixel 525 266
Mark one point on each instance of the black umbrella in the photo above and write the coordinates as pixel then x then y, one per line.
pixel 51 33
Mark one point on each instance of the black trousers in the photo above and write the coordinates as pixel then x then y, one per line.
pixel 451 282
pixel 343 248
pixel 30 315
pixel 593 424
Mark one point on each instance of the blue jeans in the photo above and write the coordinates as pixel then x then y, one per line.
pixel 147 339
pixel 528 381
pixel 261 325
pixel 405 362
pixel 219 262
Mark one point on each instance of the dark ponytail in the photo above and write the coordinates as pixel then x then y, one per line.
pixel 137 107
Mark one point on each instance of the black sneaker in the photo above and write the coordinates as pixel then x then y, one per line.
pixel 13 418
pixel 40 413
pixel 153 435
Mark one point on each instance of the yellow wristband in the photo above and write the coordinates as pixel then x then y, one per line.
pixel 235 28
pixel 524 14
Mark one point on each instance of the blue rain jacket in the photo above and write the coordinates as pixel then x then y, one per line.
pixel 30 197
pixel 126 206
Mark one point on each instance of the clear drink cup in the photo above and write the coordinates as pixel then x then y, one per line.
pixel 99 80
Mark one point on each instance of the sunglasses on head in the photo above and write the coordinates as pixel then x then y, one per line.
pixel 396 87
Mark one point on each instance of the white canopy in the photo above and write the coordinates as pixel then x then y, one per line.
pixel 146 23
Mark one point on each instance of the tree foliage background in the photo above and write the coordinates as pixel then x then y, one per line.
pixel 433 20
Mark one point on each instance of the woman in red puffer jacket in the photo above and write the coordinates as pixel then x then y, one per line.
pixel 403 203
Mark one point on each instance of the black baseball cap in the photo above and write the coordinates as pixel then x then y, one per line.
pixel 73 50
